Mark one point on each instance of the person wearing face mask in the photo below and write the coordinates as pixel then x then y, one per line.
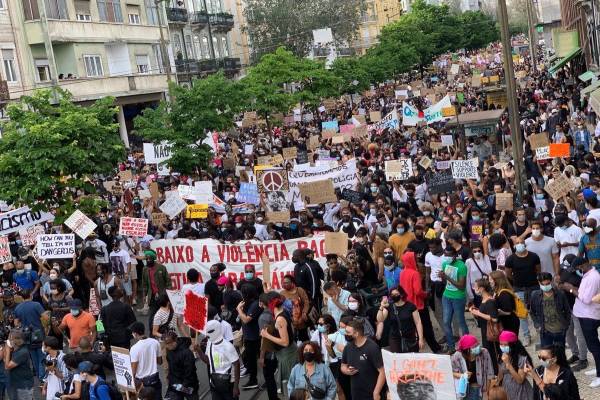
pixel 478 266
pixel 519 229
pixel 311 368
pixel 56 370
pixel 256 220
pixel 250 278
pixel 454 298
pixel 566 235
pixel 211 289
pixel 57 303
pixel 511 373
pixel 487 313
pixel 356 309
pixel 406 329
pixel 18 366
pixel 474 360
pixel 26 279
pixel 589 245
pixel 55 275
pixel 550 311
pixel 80 323
pixel 348 223
pixel 545 247
pixel 326 325
pixel 420 244
pixel 392 271
pixel 401 237
pixel 553 370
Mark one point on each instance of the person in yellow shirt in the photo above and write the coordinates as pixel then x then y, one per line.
pixel 401 237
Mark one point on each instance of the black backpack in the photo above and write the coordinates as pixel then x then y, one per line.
pixel 113 392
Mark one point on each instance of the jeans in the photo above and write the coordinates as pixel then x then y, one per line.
pixel 473 393
pixel 590 332
pixel 549 338
pixel 524 293
pixel 451 308
pixel 37 359
pixel 20 394
pixel 576 340
pixel 269 374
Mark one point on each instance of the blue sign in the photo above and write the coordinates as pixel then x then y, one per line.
pixel 248 193
pixel 329 126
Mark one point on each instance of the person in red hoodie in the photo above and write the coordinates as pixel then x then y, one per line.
pixel 410 280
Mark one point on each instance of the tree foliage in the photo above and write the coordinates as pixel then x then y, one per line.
pixel 479 30
pixel 209 105
pixel 354 77
pixel 49 151
pixel 289 23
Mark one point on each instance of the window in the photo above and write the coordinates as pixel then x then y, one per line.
pixel 143 63
pixel 2 5
pixel 197 47
pixel 43 69
pixel 30 10
pixel 158 56
pixel 224 47
pixel 205 50
pixel 110 10
pixel 8 59
pixel 216 47
pixel 188 46
pixel 82 10
pixel 93 65
pixel 134 19
pixel 83 17
pixel 177 42
pixel 56 9
pixel 214 6
pixel 151 12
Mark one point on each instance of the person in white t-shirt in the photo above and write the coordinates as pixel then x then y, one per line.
pixel 145 359
pixel 566 235
pixel 193 276
pixel 129 245
pixel 433 262
pixel 120 261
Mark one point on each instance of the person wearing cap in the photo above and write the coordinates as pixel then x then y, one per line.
pixel 98 389
pixel 80 323
pixel 155 281
pixel 474 360
pixel 586 311
pixel 511 372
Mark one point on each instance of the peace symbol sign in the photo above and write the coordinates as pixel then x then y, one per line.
pixel 272 181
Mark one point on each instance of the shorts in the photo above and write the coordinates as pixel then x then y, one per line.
pixel 133 273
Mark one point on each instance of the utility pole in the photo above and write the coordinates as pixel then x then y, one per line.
pixel 163 46
pixel 511 95
pixel 532 35
pixel 49 49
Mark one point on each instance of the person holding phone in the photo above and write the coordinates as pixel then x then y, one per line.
pixel 553 370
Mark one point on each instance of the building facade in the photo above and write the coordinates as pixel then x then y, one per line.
pixel 583 16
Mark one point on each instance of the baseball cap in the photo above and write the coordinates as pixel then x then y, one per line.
pixel 85 367
pixel 150 254
pixel 588 193
pixel 75 303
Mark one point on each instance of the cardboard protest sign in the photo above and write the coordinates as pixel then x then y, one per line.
pixel 248 193
pixel 318 192
pixel 419 376
pixel 338 139
pixel 336 243
pixel 352 196
pixel 447 140
pixel 476 81
pixel 159 219
pixel 435 145
pixel 5 255
pixel 144 194
pixel 275 201
pixel 375 116
pixel 125 176
pixel 440 182
pixel 504 201
pixel 559 150
pixel 542 153
pixel 177 300
pixel 289 153
pixel 134 227
pixel 196 311
pixel 29 235
pixel 398 169
pixel 95 304
pixel 123 372
pixel 196 211
pixel 272 180
pixel 55 246
pixel 559 187
pixel 425 162
pixel 173 205
pixel 539 140
pixel 465 169
pixel 21 218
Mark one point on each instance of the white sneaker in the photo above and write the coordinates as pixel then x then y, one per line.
pixel 595 383
pixel 590 372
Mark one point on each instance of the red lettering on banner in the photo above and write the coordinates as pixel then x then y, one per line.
pixel 205 257
pixel 189 254
pixel 302 244
pixel 250 253
pixel 275 281
pixel 243 259
pixel 175 254
pixel 284 253
pixel 221 249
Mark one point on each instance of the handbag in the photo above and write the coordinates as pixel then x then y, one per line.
pixel 221 382
pixel 407 345
pixel 315 391
pixel 164 328
pixel 493 330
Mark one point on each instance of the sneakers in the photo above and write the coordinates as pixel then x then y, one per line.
pixel 250 385
pixel 590 372
pixel 243 372
pixel 573 360
pixel 595 383
pixel 580 365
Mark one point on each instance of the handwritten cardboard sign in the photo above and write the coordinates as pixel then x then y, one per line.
pixel 134 227
pixel 79 223
pixel 539 140
pixel 318 192
pixel 5 255
pixel 504 201
pixel 123 371
pixel 29 235
pixel 465 169
pixel 375 116
pixel 398 169
pixel 159 219
pixel 425 162
pixel 125 176
pixel 55 246
pixel 289 153
pixel 173 205
pixel 336 243
pixel 440 182
pixel 559 187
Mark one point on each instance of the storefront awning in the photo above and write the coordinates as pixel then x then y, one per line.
pixel 595 100
pixel 590 88
pixel 564 60
pixel 587 76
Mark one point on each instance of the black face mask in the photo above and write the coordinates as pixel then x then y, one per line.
pixel 310 357
pixel 214 275
pixel 396 298
pixel 389 260
pixel 349 338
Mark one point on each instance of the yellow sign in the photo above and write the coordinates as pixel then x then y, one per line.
pixel 196 211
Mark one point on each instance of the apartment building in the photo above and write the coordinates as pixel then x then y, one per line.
pixel 378 13
pixel 93 48
pixel 11 82
pixel 199 32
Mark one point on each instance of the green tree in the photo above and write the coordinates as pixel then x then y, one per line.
pixel 479 29
pixel 289 23
pixel 351 70
pixel 209 105
pixel 49 151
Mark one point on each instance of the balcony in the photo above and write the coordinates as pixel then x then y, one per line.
pixel 177 15
pixel 345 52
pixel 199 19
pixel 230 65
pixel 320 52
pixel 221 22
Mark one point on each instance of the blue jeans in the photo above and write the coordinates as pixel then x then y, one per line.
pixel 549 338
pixel 451 308
pixel 37 358
pixel 473 393
pixel 525 295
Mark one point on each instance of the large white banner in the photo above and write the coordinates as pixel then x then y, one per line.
pixel 22 218
pixel 389 121
pixel 411 117
pixel 343 176
pixel 179 255
pixel 157 153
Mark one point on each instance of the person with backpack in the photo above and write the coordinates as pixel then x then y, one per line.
pixel 145 359
pixel 98 388
pixel 28 318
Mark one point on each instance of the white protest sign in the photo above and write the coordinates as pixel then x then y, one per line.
pixel 542 153
pixel 134 227
pixel 203 192
pixel 465 169
pixel 79 223
pixel 390 121
pixel 157 153
pixel 411 116
pixel 447 140
pixel 144 194
pixel 442 164
pixel 5 255
pixel 55 246
pixel 22 218
pixel 398 170
pixel 29 236
pixel 454 69
pixel 123 371
pixel 177 301
pixel 343 176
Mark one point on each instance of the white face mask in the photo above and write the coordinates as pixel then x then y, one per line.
pixel 536 232
pixel 353 306
pixel 587 229
pixel 478 255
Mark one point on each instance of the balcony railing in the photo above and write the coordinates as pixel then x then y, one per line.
pixel 321 51
pixel 177 15
pixel 208 66
pixel 345 52
pixel 221 22
pixel 199 18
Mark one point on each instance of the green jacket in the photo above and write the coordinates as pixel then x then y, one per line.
pixel 161 278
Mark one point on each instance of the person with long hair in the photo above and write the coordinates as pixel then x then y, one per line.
pixel 487 313
pixel 505 301
pixel 554 370
pixel 336 343
pixel 312 372
pixel 471 358
pixel 357 310
pixel 497 247
pixel 512 370
pixel 406 330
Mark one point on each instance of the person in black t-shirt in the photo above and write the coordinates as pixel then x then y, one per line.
pixel 522 268
pixel 362 361
pixel 211 289
pixel 519 229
